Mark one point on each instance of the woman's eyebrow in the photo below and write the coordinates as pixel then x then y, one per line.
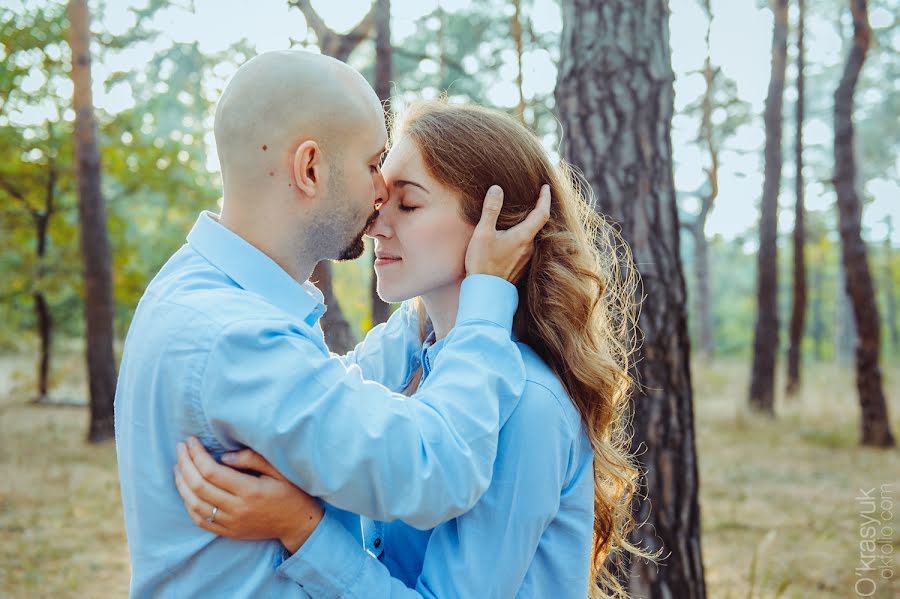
pixel 404 182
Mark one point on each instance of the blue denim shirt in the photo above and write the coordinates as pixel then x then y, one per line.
pixel 528 536
pixel 225 345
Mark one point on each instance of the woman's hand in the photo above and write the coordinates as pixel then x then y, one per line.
pixel 241 506
pixel 505 254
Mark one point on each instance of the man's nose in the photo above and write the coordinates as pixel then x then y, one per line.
pixel 381 191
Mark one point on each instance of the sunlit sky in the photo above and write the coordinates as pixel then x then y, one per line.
pixel 740 42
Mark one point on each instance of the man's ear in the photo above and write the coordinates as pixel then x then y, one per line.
pixel 308 167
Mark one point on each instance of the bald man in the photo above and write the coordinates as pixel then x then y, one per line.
pixel 226 345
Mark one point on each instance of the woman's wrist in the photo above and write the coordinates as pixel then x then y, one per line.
pixel 294 538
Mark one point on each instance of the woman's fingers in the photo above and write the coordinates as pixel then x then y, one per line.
pixel 198 482
pixel 490 210
pixel 537 218
pixel 225 478
pixel 247 459
pixel 200 511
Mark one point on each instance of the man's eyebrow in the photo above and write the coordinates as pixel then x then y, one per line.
pixel 404 182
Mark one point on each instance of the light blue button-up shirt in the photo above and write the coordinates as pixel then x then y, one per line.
pixel 226 346
pixel 529 535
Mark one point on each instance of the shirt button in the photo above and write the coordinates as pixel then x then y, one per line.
pixel 377 543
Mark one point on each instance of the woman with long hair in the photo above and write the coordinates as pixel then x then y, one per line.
pixel 555 520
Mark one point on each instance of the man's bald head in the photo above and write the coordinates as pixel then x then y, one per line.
pixel 279 99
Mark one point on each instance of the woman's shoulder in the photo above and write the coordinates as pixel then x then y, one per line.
pixel 545 398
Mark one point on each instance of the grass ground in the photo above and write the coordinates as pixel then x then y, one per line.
pixel 777 496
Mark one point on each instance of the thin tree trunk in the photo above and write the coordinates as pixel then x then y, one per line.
pixel 704 293
pixel 798 308
pixel 701 245
pixel 383 77
pixel 765 342
pixel 890 300
pixel 844 325
pixel 614 96
pixel 95 251
pixel 338 335
pixel 815 307
pixel 875 423
pixel 516 27
pixel 41 308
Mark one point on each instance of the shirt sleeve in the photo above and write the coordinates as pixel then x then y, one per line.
pixel 390 352
pixel 421 460
pixel 485 552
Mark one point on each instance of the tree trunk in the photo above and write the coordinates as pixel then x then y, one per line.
pixel 338 334
pixel 383 76
pixel 817 328
pixel 844 325
pixel 516 29
pixel 875 422
pixel 701 246
pixel 704 294
pixel 41 308
pixel 890 300
pixel 765 342
pixel 95 251
pixel 798 307
pixel 614 96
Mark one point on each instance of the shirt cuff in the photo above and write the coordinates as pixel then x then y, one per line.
pixel 486 297
pixel 328 562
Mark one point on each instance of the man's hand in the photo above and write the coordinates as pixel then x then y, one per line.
pixel 247 507
pixel 505 253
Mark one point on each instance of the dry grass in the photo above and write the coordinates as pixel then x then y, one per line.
pixel 777 497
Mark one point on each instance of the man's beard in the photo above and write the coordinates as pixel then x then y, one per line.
pixel 356 247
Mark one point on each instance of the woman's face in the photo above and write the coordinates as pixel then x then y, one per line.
pixel 420 235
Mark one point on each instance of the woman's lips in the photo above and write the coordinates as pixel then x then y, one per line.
pixel 385 260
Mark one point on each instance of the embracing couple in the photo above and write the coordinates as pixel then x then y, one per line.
pixel 472 446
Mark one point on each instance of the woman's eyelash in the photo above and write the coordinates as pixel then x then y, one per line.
pixel 405 208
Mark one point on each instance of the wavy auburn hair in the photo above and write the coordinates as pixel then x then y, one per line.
pixel 576 299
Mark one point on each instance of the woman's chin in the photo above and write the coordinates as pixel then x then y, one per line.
pixel 392 296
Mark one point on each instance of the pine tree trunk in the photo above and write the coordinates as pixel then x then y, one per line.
pixel 338 335
pixel 704 314
pixel 614 97
pixel 798 306
pixel 765 341
pixel 890 301
pixel 844 325
pixel 383 77
pixel 41 307
pixel 95 251
pixel 875 422
pixel 516 30
pixel 817 326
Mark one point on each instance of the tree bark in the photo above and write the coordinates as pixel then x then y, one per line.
pixel 383 76
pixel 41 308
pixel 844 325
pixel 338 335
pixel 798 305
pixel 614 96
pixel 765 342
pixel 890 300
pixel 95 251
pixel 875 423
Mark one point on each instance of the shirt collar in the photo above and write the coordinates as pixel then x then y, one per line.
pixel 253 270
pixel 430 349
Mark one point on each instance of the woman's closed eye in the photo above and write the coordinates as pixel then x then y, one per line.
pixel 407 207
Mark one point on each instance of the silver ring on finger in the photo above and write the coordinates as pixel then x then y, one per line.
pixel 212 518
